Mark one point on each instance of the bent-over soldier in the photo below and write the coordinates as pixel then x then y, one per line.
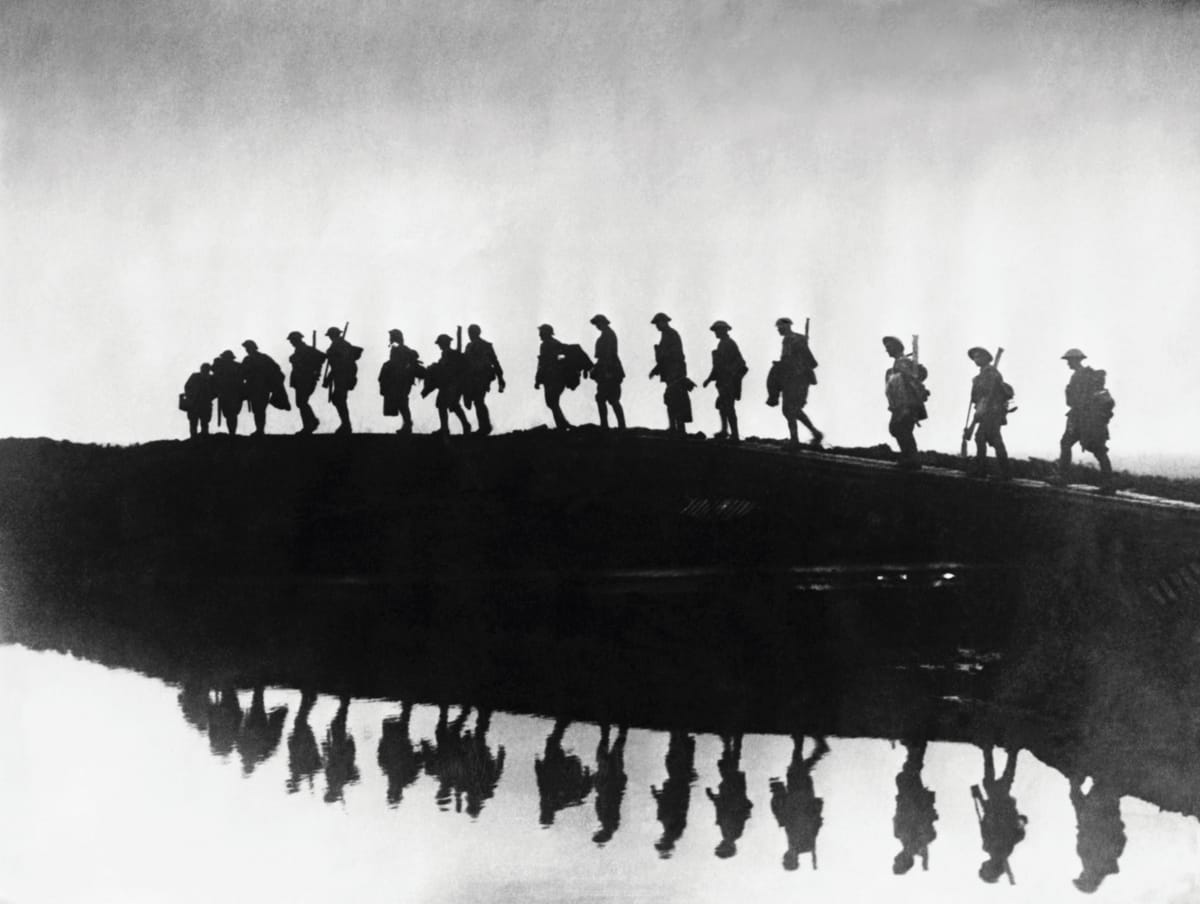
pixel 607 372
pixel 728 369
pixel 482 366
pixel 306 364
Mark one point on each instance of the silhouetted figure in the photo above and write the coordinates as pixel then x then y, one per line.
pixel 915 812
pixel 482 367
pixel 199 392
pixel 551 376
pixel 194 703
pixel 796 806
pixel 227 383
pixel 342 375
pixel 398 758
pixel 732 804
pixel 670 366
pixel 339 754
pixel 304 758
pixel 1089 409
pixel 1100 832
pixel 728 369
pixel 675 795
pixel 262 382
pixel 607 373
pixel 224 721
pixel 483 768
pixel 562 779
pixel 789 380
pixel 260 733
pixel 396 378
pixel 905 390
pixel 446 376
pixel 1000 825
pixel 610 782
pixel 990 399
pixel 445 759
pixel 306 362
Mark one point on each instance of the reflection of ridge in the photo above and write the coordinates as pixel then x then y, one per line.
pixel 304 758
pixel 339 752
pixel 610 783
pixel 674 796
pixel 562 779
pixel 796 806
pixel 730 800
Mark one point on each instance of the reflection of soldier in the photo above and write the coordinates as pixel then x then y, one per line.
pixel 483 769
pixel 396 378
pixel 675 795
pixel 728 369
pixel 670 366
pixel 194 703
pixel 607 373
pixel 397 757
pixel 1100 838
pixel 306 364
pixel 731 801
pixel 342 375
pixel 796 806
pixel 260 732
pixel 446 376
pixel 199 393
pixel 444 759
pixel 227 382
pixel 1090 408
pixel 224 720
pixel 915 813
pixel 304 759
pixel 610 783
pixel 339 752
pixel 790 378
pixel 1001 826
pixel 262 381
pixel 562 779
pixel 482 367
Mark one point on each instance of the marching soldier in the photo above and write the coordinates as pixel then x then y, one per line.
pixel 794 373
pixel 306 364
pixel 608 373
pixel 482 366
pixel 396 378
pixel 906 396
pixel 549 376
pixel 1090 408
pixel 446 376
pixel 341 376
pixel 728 369
pixel 990 399
pixel 199 393
pixel 261 378
pixel 670 366
pixel 227 381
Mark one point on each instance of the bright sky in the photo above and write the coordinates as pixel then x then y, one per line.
pixel 176 177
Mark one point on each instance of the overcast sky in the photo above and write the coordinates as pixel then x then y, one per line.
pixel 177 177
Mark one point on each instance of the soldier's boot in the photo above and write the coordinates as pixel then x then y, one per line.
pixel 793 439
pixel 1107 485
pixel 620 415
pixel 603 409
pixel 462 419
pixel 1005 469
pixel 724 431
pixel 733 428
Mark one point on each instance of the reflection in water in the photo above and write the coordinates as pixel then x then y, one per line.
pixel 444 757
pixel 795 804
pixel 915 813
pixel 397 757
pixel 676 792
pixel 562 779
pixel 483 768
pixel 304 758
pixel 339 753
pixel 224 721
pixel 462 762
pixel 1100 838
pixel 1001 826
pixel 610 783
pixel 260 732
pixel 731 801
pixel 194 702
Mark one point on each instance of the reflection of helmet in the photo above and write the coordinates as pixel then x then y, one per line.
pixel 903 863
pixel 295 334
pixel 977 351
pixel 660 317
pixel 547 329
pixel 726 849
pixel 333 332
pixel 791 860
pixel 250 345
pixel 1087 882
pixel 599 320
pixel 395 335
pixel 443 339
pixel 720 326
pixel 893 345
pixel 1073 353
pixel 991 870
pixel 784 321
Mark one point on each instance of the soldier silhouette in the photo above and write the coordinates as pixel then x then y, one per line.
pixel 446 375
pixel 789 380
pixel 990 399
pixel 915 812
pixel 674 797
pixel 396 378
pixel 728 369
pixel 731 802
pixel 482 367
pixel 905 390
pixel 1000 825
pixel 262 381
pixel 562 779
pixel 608 373
pixel 796 806
pixel 1100 832
pixel 304 757
pixel 306 364
pixel 199 392
pixel 445 759
pixel 397 757
pixel 670 366
pixel 260 733
pixel 339 754
pixel 227 382
pixel 610 782
pixel 550 376
pixel 1089 409
pixel 342 375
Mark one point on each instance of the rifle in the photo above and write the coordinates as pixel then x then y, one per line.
pixel 969 426
pixel 806 327
pixel 458 338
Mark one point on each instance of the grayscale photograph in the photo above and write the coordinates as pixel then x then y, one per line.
pixel 599 451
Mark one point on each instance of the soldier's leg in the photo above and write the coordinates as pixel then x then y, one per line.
pixel 193 424
pixel 997 439
pixel 733 424
pixel 231 418
pixel 405 416
pixel 793 433
pixel 620 412
pixel 259 407
pixel 1069 438
pixel 462 417
pixel 443 420
pixel 342 406
pixel 485 416
pixel 817 435
pixel 553 394
pixel 602 408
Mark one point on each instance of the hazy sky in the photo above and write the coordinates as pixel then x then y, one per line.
pixel 179 176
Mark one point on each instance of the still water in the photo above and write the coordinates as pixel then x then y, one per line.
pixel 117 787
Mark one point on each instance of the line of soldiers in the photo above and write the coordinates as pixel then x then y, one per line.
pixel 464 377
